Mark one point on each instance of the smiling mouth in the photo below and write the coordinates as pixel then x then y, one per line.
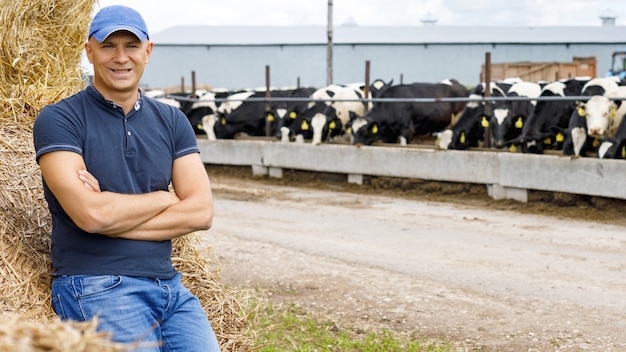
pixel 121 71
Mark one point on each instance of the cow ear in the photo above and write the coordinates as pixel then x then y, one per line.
pixel 617 103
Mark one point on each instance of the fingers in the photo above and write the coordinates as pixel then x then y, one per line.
pixel 89 180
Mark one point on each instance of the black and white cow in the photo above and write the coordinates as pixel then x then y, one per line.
pixel 615 147
pixel 247 113
pixel 294 108
pixel 594 120
pixel 469 129
pixel 508 118
pixel 342 104
pixel 206 105
pixel 542 128
pixel 317 123
pixel 400 122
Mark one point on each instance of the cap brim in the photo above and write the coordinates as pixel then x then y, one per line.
pixel 104 33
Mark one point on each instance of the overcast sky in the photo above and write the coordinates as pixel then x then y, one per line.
pixel 163 14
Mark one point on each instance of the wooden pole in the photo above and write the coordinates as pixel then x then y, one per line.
pixel 268 105
pixel 488 112
pixel 193 85
pixel 366 89
pixel 329 47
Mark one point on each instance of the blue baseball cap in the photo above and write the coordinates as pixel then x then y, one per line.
pixel 115 18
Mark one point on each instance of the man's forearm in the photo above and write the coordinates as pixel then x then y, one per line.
pixel 118 213
pixel 180 219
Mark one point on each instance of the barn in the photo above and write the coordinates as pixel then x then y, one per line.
pixel 237 56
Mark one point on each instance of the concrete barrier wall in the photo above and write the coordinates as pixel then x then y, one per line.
pixel 507 175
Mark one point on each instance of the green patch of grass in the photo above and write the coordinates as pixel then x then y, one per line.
pixel 291 329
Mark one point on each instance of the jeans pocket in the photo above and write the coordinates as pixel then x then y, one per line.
pixel 95 285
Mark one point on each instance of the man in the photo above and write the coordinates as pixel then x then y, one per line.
pixel 107 156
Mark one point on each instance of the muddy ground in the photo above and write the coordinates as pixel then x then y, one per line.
pixel 441 260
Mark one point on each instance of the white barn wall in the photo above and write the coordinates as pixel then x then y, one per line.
pixel 243 66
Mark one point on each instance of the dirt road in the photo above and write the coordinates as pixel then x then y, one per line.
pixel 486 279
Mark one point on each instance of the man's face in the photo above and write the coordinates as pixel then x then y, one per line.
pixel 118 62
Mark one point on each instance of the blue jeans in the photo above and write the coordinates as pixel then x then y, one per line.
pixel 159 315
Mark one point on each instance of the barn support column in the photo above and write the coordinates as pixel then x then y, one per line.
pixel 498 192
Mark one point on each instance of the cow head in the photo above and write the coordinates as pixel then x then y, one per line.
pixel 600 112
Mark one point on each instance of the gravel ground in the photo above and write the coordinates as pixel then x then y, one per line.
pixel 442 260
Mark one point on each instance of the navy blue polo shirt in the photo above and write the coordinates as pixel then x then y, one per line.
pixel 128 154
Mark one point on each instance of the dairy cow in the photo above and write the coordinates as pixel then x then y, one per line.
pixel 247 113
pixel 594 120
pixel 469 129
pixel 317 123
pixel 614 147
pixel 542 128
pixel 400 122
pixel 206 105
pixel 508 117
pixel 330 110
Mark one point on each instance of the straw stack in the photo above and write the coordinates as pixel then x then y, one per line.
pixel 40 51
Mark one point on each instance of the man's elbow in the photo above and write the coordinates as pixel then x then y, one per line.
pixel 204 217
pixel 91 222
pixel 206 221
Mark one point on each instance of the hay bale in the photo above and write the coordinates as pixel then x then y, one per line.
pixel 40 51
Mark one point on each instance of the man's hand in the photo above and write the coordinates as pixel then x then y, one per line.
pixel 89 180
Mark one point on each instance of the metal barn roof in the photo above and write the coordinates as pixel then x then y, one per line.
pixel 317 35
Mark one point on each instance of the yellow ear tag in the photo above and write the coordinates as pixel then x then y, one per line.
pixel 293 115
pixel 349 130
pixel 304 126
pixel 623 152
pixel 513 148
pixel 547 141
pixel 560 137
pixel 375 129
pixel 613 113
pixel 332 125
pixel 270 117
pixel 484 122
pixel 223 120
pixel 462 137
pixel 199 126
pixel 519 123
pixel 581 111
pixel 595 143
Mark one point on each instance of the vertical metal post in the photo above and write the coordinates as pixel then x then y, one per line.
pixel 488 112
pixel 329 48
pixel 182 84
pixel 268 105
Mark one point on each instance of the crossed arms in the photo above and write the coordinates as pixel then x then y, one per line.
pixel 155 216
